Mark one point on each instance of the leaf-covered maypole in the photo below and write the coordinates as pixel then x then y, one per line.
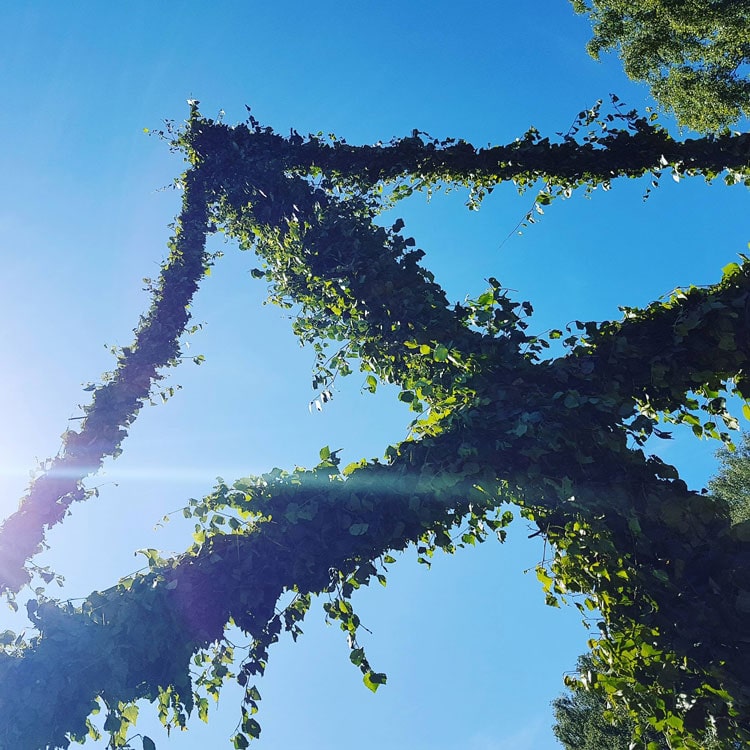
pixel 497 423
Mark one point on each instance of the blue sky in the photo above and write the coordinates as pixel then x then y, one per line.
pixel 473 655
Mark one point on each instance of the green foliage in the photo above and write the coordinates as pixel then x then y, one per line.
pixel 584 720
pixel 732 483
pixel 497 421
pixel 116 401
pixel 693 53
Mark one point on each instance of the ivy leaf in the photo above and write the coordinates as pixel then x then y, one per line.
pixel 572 400
pixel 112 723
pixel 440 354
pixel 373 680
pixel 251 727
pixel 730 270
pixel 544 578
pixel 130 713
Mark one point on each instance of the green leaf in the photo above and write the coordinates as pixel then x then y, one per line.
pixel 130 714
pixel 730 270
pixel 148 743
pixel 544 577
pixel 325 453
pixel 251 727
pixel 203 709
pixel 353 466
pixel 357 529
pixel 373 680
pixel 634 525
pixel 440 354
pixel 112 723
pixel 571 400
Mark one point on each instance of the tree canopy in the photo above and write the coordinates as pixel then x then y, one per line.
pixel 732 483
pixel 553 425
pixel 584 721
pixel 692 53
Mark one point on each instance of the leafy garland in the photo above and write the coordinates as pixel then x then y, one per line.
pixel 497 423
pixel 115 403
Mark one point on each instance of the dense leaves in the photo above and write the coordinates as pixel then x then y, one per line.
pixel 496 423
pixel 693 53
pixel 732 483
pixel 115 402
pixel 585 720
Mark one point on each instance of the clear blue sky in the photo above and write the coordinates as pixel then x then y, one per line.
pixel 473 655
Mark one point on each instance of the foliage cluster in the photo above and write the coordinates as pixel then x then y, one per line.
pixel 497 421
pixel 115 404
pixel 694 54
pixel 586 722
pixel 584 719
pixel 732 484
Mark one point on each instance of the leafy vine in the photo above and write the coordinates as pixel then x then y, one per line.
pixel 498 422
